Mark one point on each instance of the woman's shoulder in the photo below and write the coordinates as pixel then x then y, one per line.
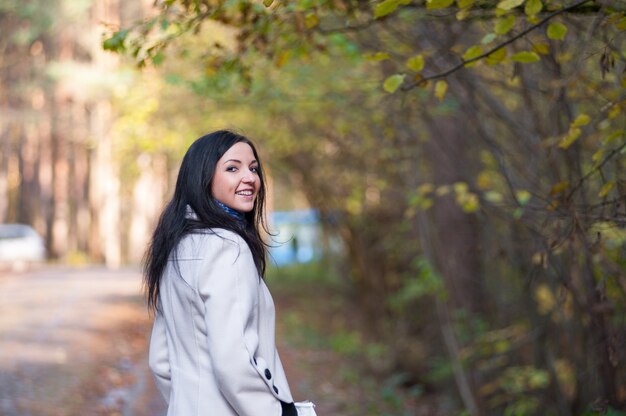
pixel 199 243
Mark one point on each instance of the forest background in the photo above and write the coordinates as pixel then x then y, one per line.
pixel 468 154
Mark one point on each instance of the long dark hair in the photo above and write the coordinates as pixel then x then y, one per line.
pixel 193 189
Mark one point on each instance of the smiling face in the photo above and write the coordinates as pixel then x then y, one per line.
pixel 236 181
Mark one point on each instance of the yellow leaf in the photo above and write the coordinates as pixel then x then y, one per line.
pixel 470 203
pixel 541 48
pixel 464 4
pixel 494 197
pixel 426 203
pixel 472 53
pixel 559 187
pixel 282 58
pixel 460 187
pixel 613 18
pixel 438 4
pixel 415 63
pixel 553 205
pixel 378 56
pixel 532 7
pixel 564 57
pixel 615 111
pixel 509 4
pixel 616 134
pixel 544 298
pixel 311 21
pixel 484 181
pixel 570 137
pixel 621 24
pixel 393 82
pixel 496 56
pixel 268 3
pixel 425 188
pixel 442 190
pixel 533 19
pixel 581 120
pixel 385 7
pixel 525 57
pixel 523 196
pixel 462 14
pixel 598 155
pixel 441 87
pixel 606 188
pixel 501 12
pixel 556 31
pixel 504 25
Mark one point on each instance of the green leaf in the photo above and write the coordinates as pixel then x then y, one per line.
pixel 621 24
pixel 581 120
pixel 504 25
pixel 116 42
pixel 268 3
pixel 438 4
pixel 441 88
pixel 509 4
pixel 525 57
pixel 496 56
pixel 415 63
pixel 488 38
pixel 532 7
pixel 472 53
pixel 393 82
pixel 385 7
pixel 158 58
pixel 556 31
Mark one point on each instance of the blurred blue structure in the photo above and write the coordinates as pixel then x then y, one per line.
pixel 297 237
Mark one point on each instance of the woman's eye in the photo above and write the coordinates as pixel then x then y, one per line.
pixel 231 169
pixel 254 169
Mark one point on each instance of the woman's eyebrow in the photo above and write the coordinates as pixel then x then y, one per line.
pixel 239 161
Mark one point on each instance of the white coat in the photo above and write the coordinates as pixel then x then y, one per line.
pixel 212 349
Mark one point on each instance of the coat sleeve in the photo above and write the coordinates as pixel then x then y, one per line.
pixel 229 287
pixel 158 357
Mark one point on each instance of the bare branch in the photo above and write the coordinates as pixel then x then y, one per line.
pixel 608 157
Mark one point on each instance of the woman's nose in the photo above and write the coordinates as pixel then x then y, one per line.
pixel 248 177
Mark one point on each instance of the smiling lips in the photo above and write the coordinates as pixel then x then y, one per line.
pixel 245 192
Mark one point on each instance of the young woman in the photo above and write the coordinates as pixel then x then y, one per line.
pixel 212 348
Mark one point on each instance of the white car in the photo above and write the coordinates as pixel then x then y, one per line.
pixel 19 244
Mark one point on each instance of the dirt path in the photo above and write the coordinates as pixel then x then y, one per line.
pixel 71 342
pixel 75 341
